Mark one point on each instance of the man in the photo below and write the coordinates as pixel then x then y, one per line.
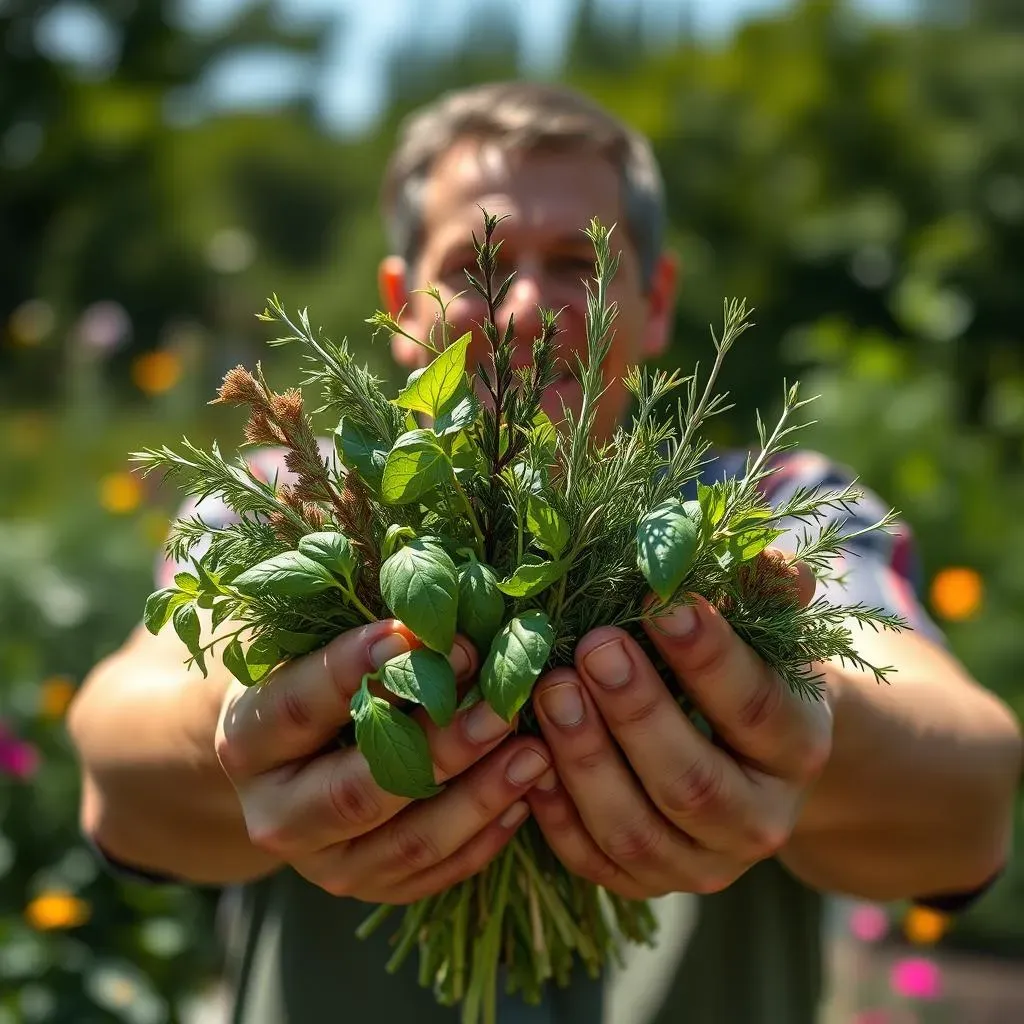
pixel 882 792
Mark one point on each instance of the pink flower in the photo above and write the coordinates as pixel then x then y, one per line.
pixel 17 757
pixel 916 978
pixel 868 923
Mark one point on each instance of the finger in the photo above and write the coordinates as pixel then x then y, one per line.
pixel 302 704
pixel 431 831
pixel 469 860
pixel 610 800
pixel 748 704
pixel 333 798
pixel 698 786
pixel 774 569
pixel 558 819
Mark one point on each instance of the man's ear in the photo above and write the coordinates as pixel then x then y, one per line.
pixel 394 293
pixel 661 306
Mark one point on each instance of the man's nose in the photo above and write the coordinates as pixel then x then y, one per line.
pixel 526 295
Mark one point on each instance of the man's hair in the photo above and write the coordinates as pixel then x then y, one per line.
pixel 522 117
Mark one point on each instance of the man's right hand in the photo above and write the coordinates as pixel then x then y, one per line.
pixel 323 813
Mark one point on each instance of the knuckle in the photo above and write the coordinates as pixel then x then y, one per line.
pixel 765 839
pixel 273 837
pixel 231 756
pixel 763 703
pixel 338 884
pixel 290 709
pixel 712 882
pixel 412 850
pixel 351 800
pixel 642 711
pixel 636 842
pixel 813 755
pixel 698 790
pixel 592 760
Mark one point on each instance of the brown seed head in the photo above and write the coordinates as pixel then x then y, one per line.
pixel 239 387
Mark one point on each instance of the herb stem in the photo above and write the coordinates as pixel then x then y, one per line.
pixel 350 593
pixel 467 505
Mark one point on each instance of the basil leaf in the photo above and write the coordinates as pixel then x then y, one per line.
pixel 297 643
pixel 187 582
pixel 424 677
pixel 438 382
pixel 481 606
pixel 359 450
pixel 517 658
pixel 473 697
pixel 666 544
pixel 290 574
pixel 331 550
pixel 530 579
pixel 160 605
pixel 547 526
pixel 459 412
pixel 395 747
pixel 415 465
pixel 234 662
pixel 186 625
pixel 419 586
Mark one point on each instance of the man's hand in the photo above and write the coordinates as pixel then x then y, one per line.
pixel 322 812
pixel 644 804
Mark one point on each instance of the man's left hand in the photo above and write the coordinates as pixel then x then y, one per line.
pixel 639 800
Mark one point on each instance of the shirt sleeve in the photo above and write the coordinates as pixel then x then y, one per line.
pixel 882 570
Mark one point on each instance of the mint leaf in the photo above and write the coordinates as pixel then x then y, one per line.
pixel 290 574
pixel 331 550
pixel 419 586
pixel 481 606
pixel 395 747
pixel 359 450
pixel 438 382
pixel 415 465
pixel 517 658
pixel 424 677
pixel 666 541
pixel 531 578
pixel 160 605
pixel 547 526
pixel 186 625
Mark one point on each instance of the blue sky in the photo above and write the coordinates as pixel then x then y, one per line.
pixel 351 86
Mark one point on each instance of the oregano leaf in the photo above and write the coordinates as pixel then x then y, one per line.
pixel 415 465
pixel 530 579
pixel 424 677
pixel 289 574
pixel 517 657
pixel 419 585
pixel 548 528
pixel 430 389
pixel 666 541
pixel 481 606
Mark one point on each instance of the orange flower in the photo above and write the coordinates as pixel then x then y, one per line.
pixel 956 593
pixel 924 927
pixel 55 694
pixel 120 493
pixel 55 910
pixel 156 372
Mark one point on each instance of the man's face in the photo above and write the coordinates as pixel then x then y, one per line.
pixel 549 199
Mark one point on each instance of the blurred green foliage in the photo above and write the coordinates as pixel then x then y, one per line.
pixel 862 185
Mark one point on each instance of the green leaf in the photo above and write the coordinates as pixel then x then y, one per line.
pixel 331 550
pixel 160 605
pixel 415 465
pixel 459 412
pixel 393 537
pixel 712 500
pixel 187 582
pixel 473 697
pixel 395 747
pixel 745 546
pixel 290 574
pixel 424 677
pixel 359 450
pixel 262 655
pixel 419 585
pixel 543 437
pixel 518 656
pixel 234 661
pixel 547 526
pixel 666 541
pixel 297 643
pixel 430 390
pixel 186 625
pixel 222 609
pixel 530 579
pixel 466 459
pixel 481 606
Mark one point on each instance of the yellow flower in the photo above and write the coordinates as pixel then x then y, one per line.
pixel 956 593
pixel 156 372
pixel 55 910
pixel 923 926
pixel 55 694
pixel 120 493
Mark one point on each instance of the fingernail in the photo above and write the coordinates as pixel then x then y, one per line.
pixel 459 660
pixel 563 704
pixel 483 724
pixel 388 647
pixel 609 664
pixel 515 814
pixel 680 622
pixel 525 767
pixel 548 781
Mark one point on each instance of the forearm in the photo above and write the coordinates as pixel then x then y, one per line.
pixel 153 793
pixel 917 798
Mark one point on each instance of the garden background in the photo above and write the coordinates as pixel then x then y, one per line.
pixel 860 181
